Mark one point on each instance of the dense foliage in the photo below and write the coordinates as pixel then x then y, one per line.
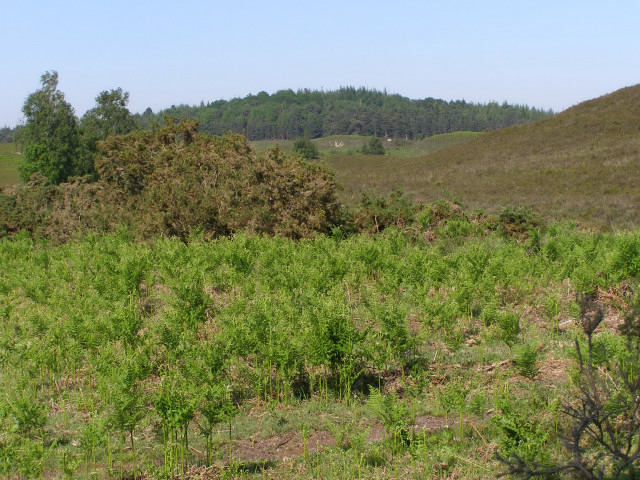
pixel 120 356
pixel 56 144
pixel 290 115
pixel 110 116
pixel 373 147
pixel 172 181
pixel 306 148
pixel 51 135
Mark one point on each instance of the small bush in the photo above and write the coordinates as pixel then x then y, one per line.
pixel 509 327
pixel 375 213
pixel 526 361
pixel 373 147
pixel 518 222
pixel 306 148
pixel 521 436
pixel 439 212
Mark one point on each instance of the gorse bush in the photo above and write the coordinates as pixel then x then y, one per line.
pixel 375 213
pixel 178 183
pixel 519 222
pixel 172 181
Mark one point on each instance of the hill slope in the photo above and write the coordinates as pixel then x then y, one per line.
pixel 580 164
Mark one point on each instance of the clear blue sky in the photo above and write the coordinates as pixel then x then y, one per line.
pixel 548 54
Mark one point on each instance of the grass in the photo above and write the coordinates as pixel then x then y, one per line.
pixel 284 341
pixel 9 161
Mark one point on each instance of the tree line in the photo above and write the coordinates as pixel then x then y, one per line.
pixel 7 134
pixel 348 111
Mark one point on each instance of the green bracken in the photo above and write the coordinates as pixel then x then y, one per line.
pixel 156 358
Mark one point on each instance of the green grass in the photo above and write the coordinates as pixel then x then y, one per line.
pixel 400 147
pixel 9 161
pixel 112 350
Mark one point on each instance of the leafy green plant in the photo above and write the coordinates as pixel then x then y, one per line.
pixel 509 323
pixel 29 414
pixel 395 416
pixel 453 398
pixel 69 464
pixel 215 407
pixel 526 360
pixel 306 148
pixel 126 403
pixel 521 436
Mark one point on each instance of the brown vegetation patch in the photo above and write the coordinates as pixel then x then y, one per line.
pixel 554 372
pixel 281 447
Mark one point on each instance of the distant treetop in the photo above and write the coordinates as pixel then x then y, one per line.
pixel 310 113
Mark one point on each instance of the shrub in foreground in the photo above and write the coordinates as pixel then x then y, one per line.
pixel 172 181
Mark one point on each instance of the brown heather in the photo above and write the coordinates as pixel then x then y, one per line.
pixel 581 164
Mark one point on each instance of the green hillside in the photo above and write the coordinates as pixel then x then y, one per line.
pixel 578 164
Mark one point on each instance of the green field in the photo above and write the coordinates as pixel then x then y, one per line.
pixel 9 161
pixel 254 357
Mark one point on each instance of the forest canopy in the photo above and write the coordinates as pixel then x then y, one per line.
pixel 348 111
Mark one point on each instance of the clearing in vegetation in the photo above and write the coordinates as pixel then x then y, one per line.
pixel 337 146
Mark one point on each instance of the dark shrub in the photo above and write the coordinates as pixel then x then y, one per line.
pixel 306 148
pixel 518 222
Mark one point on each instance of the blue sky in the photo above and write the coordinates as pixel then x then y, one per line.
pixel 548 54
